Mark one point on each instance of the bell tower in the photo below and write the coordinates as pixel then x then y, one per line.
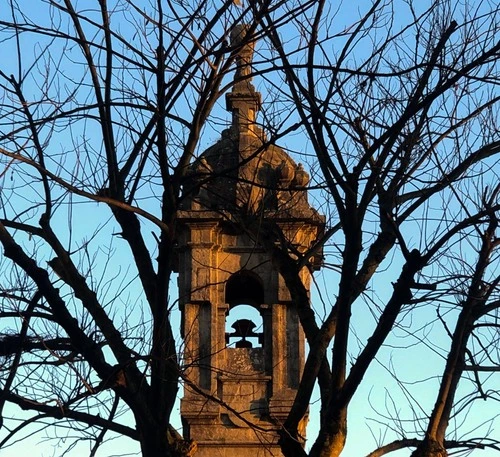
pixel 243 344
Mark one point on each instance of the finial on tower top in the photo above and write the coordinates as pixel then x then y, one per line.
pixel 239 36
pixel 243 101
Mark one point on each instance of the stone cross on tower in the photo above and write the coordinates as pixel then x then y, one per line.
pixel 243 344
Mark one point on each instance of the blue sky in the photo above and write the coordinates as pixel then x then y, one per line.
pixel 415 351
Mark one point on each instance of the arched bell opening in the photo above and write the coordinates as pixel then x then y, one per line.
pixel 244 327
pixel 244 323
pixel 244 287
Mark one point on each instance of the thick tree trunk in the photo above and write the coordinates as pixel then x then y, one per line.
pixel 430 448
pixel 332 437
pixel 162 443
pixel 334 445
pixel 291 445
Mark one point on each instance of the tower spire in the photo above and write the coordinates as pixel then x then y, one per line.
pixel 243 101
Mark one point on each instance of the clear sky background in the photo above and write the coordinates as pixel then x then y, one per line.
pixel 415 349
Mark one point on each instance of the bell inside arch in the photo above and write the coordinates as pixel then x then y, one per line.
pixel 243 328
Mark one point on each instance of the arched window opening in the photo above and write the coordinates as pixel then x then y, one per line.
pixel 244 324
pixel 244 327
pixel 244 287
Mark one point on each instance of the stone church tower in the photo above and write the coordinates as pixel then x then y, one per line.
pixel 243 344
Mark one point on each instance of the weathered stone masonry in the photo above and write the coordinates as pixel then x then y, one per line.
pixel 254 370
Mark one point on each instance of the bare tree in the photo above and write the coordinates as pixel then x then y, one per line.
pixel 102 109
pixel 400 108
pixel 102 112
